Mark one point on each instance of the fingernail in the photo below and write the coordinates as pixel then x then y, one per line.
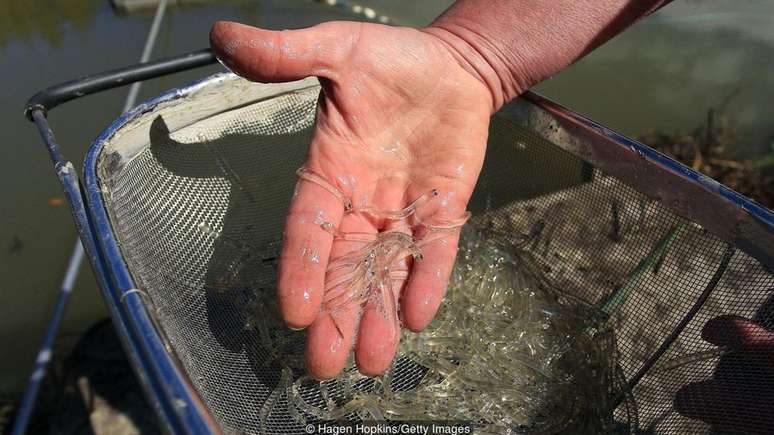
pixel 229 65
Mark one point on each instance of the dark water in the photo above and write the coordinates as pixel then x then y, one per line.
pixel 663 74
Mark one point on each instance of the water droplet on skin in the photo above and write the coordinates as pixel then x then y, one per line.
pixel 336 344
pixel 287 49
pixel 295 189
pixel 392 149
pixel 310 254
pixel 445 199
pixel 344 180
pixel 307 295
pixel 319 219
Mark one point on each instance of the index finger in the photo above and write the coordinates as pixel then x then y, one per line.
pixel 306 247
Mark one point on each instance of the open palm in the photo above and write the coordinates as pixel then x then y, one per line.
pixel 398 116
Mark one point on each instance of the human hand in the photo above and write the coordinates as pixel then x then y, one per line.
pixel 399 115
pixel 740 396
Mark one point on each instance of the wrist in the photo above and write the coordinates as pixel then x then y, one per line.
pixel 511 45
pixel 500 71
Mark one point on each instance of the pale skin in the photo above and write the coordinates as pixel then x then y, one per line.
pixel 403 111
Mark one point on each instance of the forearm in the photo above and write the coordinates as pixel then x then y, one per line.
pixel 511 45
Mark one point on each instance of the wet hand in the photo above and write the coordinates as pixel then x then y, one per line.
pixel 398 116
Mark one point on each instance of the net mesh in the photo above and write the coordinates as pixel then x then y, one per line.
pixel 199 211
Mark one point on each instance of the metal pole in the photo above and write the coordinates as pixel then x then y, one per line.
pixel 27 404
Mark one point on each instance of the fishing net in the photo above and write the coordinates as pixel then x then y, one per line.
pixel 567 283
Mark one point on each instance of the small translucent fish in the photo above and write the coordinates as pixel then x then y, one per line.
pixel 371 272
pixel 502 351
pixel 505 350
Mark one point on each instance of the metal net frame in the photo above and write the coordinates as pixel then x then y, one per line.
pixel 194 187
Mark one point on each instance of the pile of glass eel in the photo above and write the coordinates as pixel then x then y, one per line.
pixel 505 352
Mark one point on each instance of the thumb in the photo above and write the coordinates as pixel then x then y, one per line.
pixel 281 56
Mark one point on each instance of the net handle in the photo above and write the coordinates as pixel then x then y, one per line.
pixel 53 96
pixel 38 106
